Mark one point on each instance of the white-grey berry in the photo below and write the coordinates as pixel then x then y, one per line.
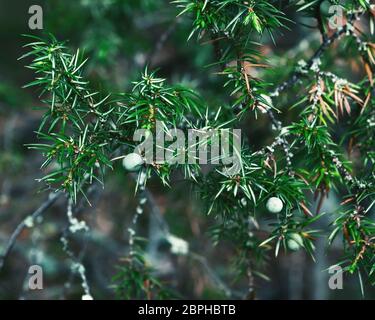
pixel 274 205
pixel 293 245
pixel 132 162
pixel 244 202
pixel 295 241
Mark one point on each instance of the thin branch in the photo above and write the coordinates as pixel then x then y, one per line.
pixel 295 77
pixel 53 196
pixel 74 225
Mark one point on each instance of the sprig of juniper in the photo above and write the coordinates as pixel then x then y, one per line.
pixel 84 129
pixel 238 199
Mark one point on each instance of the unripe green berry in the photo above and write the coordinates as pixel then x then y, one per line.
pixel 132 162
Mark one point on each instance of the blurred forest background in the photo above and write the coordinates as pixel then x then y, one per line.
pixel 121 37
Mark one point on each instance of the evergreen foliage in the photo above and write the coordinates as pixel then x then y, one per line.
pixel 319 117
